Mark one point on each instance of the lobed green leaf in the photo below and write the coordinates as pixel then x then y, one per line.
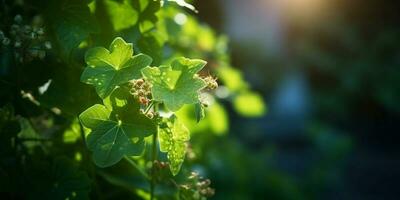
pixel 117 132
pixel 177 84
pixel 173 140
pixel 108 69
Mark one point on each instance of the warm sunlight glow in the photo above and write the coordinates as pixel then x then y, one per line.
pixel 305 9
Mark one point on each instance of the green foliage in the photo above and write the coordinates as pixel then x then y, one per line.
pixel 249 104
pixel 73 133
pixel 54 116
pixel 147 10
pixel 108 69
pixel 122 15
pixel 173 136
pixel 215 119
pixel 177 84
pixel 115 134
pixel 71 21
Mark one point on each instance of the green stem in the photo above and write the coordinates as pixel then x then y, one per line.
pixel 140 170
pixel 148 108
pixel 82 131
pixel 154 157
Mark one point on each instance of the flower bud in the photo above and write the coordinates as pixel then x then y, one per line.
pixel 211 82
pixel 47 45
pixel 33 35
pixel 141 93
pixel 206 182
pixel 40 31
pixel 143 100
pixel 186 187
pixel 139 82
pixel 18 19
pixel 17 44
pixel 193 175
pixel 6 41
pixel 203 192
pixel 150 115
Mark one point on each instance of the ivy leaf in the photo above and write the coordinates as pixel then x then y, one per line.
pixel 173 136
pixel 122 15
pixel 147 16
pixel 177 84
pixel 116 133
pixel 108 69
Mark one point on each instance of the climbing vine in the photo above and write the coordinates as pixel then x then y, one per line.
pixel 109 93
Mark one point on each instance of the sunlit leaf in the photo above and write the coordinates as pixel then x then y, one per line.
pixel 73 133
pixel 177 84
pixel 122 14
pixel 173 136
pixel 147 16
pixel 108 69
pixel 116 133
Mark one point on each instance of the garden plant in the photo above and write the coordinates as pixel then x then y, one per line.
pixel 101 99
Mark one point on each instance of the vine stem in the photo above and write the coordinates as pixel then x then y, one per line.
pixel 154 157
pixel 149 107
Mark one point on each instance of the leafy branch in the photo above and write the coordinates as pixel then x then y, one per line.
pixel 119 126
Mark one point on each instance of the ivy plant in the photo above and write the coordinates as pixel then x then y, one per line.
pixel 110 95
pixel 119 127
pixel 177 84
pixel 109 68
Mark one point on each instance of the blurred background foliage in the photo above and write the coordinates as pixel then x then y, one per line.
pixel 328 70
pixel 330 73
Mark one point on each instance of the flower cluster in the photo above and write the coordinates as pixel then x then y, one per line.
pixel 197 187
pixel 211 82
pixel 28 41
pixel 141 90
